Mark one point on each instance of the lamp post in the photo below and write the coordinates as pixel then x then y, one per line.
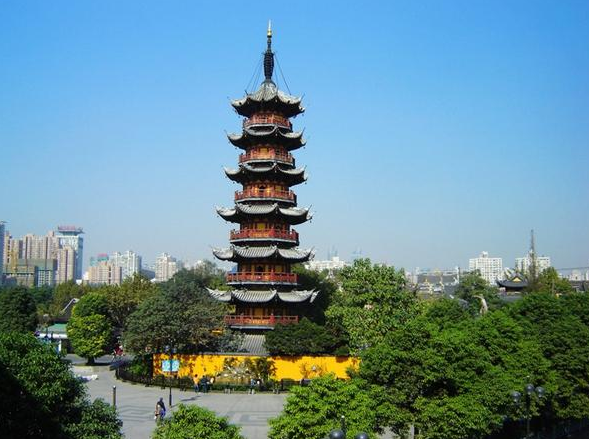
pixel 529 392
pixel 170 351
pixel 341 433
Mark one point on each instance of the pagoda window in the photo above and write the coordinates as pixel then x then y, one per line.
pixel 260 269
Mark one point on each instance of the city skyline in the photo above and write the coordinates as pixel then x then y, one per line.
pixel 435 131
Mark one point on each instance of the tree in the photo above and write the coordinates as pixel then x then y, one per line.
pixel 452 379
pixel 42 399
pixel 183 314
pixel 208 273
pixel 371 302
pixel 91 336
pixel 563 336
pixel 303 338
pixel 193 422
pixel 18 310
pixel 89 329
pixel 472 288
pixel 91 303
pixel 63 294
pixel 550 282
pixel 123 300
pixel 318 281
pixel 311 412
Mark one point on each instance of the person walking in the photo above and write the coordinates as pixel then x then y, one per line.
pixel 160 411
pixel 195 381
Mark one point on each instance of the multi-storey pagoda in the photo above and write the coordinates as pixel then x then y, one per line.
pixel 264 288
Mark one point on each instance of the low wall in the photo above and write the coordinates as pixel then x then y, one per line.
pixel 295 368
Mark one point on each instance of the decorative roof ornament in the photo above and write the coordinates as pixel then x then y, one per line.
pixel 269 56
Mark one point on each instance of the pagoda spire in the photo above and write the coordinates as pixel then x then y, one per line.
pixel 269 56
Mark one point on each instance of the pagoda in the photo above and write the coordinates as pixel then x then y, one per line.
pixel 264 290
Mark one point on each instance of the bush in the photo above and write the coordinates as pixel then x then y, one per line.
pixel 303 338
pixel 193 422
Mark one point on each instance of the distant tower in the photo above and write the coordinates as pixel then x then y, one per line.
pixel 533 257
pixel 70 237
pixel 265 245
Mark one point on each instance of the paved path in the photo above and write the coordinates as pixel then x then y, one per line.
pixel 136 404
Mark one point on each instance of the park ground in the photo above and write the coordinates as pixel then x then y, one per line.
pixel 136 402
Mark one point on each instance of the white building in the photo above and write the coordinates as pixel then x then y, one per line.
pixel 491 269
pixel 523 265
pixel 165 267
pixel 129 261
pixel 335 263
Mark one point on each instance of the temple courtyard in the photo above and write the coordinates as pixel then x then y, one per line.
pixel 136 404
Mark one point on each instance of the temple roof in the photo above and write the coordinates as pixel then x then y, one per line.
pixel 263 296
pixel 292 215
pixel 249 136
pixel 247 172
pixel 238 253
pixel 268 96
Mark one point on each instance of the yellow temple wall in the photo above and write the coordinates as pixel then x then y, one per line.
pixel 294 368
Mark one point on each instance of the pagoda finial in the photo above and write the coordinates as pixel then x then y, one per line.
pixel 269 56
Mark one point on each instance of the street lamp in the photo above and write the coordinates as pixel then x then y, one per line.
pixel 529 392
pixel 341 433
pixel 170 351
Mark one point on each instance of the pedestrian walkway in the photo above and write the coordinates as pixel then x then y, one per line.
pixel 136 404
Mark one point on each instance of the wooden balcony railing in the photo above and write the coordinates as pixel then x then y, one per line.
pixel 266 276
pixel 271 320
pixel 268 119
pixel 265 193
pixel 268 155
pixel 289 235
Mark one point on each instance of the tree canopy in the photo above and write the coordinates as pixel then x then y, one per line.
pixel 90 330
pixel 473 289
pixel 18 310
pixel 42 399
pixel 372 301
pixel 312 412
pixel 194 422
pixel 182 314
pixel 303 338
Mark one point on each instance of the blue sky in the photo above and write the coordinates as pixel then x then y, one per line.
pixel 435 129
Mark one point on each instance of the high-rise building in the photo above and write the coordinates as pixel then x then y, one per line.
pixel 166 266
pixel 66 263
pixel 264 287
pixel 105 272
pixel 129 261
pixel 490 269
pixel 522 265
pixel 53 256
pixel 32 272
pixel 70 236
pixel 1 252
